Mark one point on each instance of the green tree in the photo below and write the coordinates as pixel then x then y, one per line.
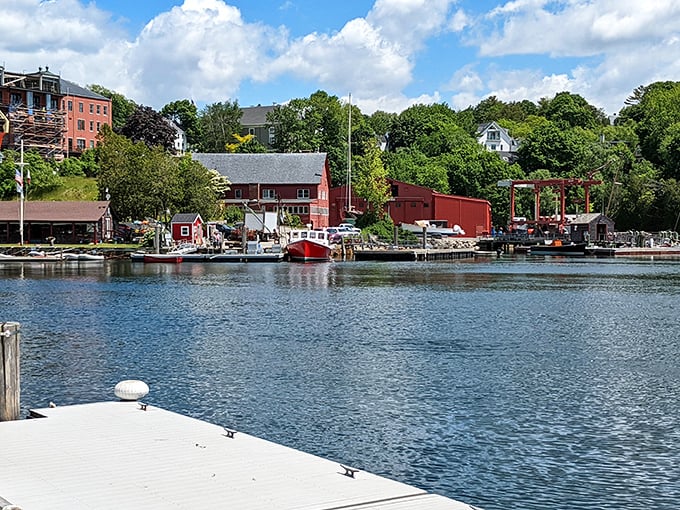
pixel 146 182
pixel 185 114
pixel 43 174
pixel 568 110
pixel 121 107
pixel 371 181
pixel 218 122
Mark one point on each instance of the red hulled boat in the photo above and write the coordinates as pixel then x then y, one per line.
pixel 308 245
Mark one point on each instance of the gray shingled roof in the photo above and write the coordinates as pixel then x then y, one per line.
pixel 185 218
pixel 255 115
pixel 73 89
pixel 271 168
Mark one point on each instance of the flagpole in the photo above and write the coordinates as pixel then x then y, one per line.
pixel 21 197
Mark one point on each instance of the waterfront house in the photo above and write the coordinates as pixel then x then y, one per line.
pixel 497 139
pixel 187 228
pixel 297 183
pixel 57 222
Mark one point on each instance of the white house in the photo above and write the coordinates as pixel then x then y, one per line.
pixel 180 143
pixel 496 139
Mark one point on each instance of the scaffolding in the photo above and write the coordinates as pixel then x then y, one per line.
pixel 32 108
pixel 40 129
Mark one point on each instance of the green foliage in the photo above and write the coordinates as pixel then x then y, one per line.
pixel 371 179
pixel 217 124
pixel 146 183
pixel 233 214
pixel 568 110
pixel 43 174
pixel 185 114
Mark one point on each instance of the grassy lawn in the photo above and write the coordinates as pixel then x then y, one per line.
pixel 73 188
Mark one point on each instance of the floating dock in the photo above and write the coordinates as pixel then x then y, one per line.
pixel 411 254
pixel 114 455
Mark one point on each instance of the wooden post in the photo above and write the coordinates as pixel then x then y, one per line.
pixel 9 371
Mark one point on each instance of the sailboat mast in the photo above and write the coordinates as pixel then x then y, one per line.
pixel 349 155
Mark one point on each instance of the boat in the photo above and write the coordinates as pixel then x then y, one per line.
pixel 184 249
pixel 82 257
pixel 33 256
pixel 557 247
pixel 308 245
pixel 434 228
pixel 168 258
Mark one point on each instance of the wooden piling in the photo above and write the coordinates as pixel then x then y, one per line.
pixel 9 371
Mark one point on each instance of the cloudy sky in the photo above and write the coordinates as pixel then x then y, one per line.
pixel 389 54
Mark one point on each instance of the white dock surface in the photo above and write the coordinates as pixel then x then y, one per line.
pixel 114 455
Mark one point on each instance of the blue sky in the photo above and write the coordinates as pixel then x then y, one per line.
pixel 389 54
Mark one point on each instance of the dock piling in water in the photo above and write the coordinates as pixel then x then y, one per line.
pixel 9 371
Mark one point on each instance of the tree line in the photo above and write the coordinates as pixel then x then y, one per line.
pixel 636 155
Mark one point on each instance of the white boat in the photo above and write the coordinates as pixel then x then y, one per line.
pixel 82 257
pixel 434 228
pixel 308 245
pixel 31 257
pixel 183 249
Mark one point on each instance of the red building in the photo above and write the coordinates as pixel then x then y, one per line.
pixel 297 183
pixel 53 116
pixel 410 203
pixel 187 228
pixel 86 112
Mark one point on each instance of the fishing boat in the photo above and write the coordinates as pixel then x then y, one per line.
pixel 557 247
pixel 308 245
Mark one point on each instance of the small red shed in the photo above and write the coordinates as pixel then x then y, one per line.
pixel 187 228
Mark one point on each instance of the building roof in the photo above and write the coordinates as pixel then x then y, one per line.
pixel 113 455
pixel 255 115
pixel 185 218
pixel 78 212
pixel 69 88
pixel 271 168
pixel 582 219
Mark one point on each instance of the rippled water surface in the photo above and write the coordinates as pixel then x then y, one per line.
pixel 511 383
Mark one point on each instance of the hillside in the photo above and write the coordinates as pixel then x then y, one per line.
pixel 72 188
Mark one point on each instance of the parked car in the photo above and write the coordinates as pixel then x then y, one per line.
pixel 349 228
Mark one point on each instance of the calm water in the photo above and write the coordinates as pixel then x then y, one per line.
pixel 533 384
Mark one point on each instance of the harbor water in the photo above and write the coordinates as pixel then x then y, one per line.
pixel 505 383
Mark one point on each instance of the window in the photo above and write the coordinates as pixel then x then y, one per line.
pixel 81 125
pixel 80 143
pixel 91 108
pixel 268 193
pixel 81 107
pixel 251 131
pixel 14 99
pixel 238 193
pixel 98 126
pixel 91 125
pixel 303 193
pixel 91 144
pixel 70 106
pixel 272 133
pixel 184 230
pixel 98 109
pixel 493 135
pixel 492 146
pixel 106 110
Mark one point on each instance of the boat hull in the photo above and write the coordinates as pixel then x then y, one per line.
pixel 305 250
pixel 573 249
pixel 163 258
